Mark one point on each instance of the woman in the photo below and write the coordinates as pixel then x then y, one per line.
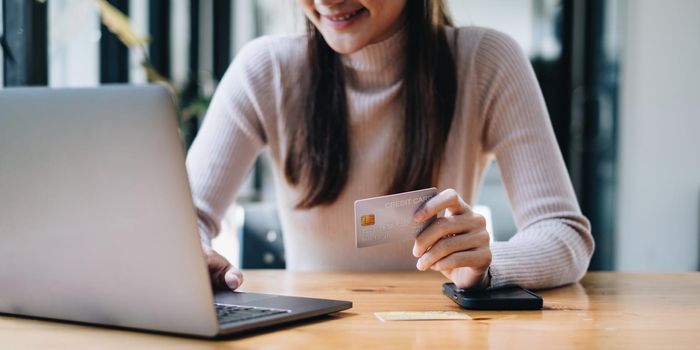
pixel 384 97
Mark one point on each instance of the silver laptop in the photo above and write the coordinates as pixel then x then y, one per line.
pixel 97 223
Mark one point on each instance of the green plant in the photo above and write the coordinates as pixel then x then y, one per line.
pixel 118 23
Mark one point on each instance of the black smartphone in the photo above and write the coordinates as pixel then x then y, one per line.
pixel 509 298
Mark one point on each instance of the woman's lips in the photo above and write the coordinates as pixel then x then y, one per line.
pixel 343 20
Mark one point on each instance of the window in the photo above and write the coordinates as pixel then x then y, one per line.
pixel 74 45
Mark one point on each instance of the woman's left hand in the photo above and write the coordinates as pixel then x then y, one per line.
pixel 456 244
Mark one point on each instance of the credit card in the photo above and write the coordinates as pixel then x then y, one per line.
pixel 389 218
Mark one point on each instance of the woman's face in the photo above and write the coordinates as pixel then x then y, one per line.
pixel 349 25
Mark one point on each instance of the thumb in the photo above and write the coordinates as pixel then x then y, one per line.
pixel 233 278
pixel 222 274
pixel 226 278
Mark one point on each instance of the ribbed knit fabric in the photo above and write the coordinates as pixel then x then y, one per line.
pixel 499 114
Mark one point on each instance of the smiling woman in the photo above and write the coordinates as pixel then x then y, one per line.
pixel 383 97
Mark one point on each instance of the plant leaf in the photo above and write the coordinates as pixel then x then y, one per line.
pixel 195 108
pixel 118 23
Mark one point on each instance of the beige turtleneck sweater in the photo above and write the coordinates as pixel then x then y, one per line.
pixel 499 114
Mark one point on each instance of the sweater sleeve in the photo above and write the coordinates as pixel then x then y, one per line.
pixel 553 245
pixel 231 136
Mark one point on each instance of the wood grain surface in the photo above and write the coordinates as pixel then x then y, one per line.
pixel 605 310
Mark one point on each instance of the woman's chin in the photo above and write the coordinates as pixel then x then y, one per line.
pixel 344 44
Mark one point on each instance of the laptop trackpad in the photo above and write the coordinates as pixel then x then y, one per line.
pixel 238 298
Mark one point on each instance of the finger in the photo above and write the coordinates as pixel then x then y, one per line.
pixel 233 278
pixel 222 274
pixel 228 278
pixel 445 226
pixel 467 277
pixel 217 276
pixel 447 199
pixel 449 245
pixel 477 259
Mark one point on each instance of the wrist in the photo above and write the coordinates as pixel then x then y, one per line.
pixel 485 282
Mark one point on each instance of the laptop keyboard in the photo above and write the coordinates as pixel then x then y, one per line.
pixel 236 313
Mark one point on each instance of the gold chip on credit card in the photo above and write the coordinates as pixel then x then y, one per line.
pixel 367 220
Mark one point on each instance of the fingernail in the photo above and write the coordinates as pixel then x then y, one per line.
pixel 232 280
pixel 418 217
pixel 415 252
pixel 419 265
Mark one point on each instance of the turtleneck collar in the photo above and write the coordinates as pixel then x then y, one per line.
pixel 377 65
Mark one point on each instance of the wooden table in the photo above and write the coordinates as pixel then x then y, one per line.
pixel 606 310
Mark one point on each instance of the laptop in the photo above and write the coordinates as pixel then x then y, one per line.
pixel 97 223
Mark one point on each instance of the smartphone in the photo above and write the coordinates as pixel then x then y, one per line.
pixel 509 298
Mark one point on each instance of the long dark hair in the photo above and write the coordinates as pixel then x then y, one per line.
pixel 318 155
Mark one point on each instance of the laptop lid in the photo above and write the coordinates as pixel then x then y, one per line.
pixel 96 217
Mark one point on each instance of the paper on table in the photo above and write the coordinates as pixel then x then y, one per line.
pixel 420 315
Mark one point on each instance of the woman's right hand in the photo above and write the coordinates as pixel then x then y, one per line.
pixel 222 274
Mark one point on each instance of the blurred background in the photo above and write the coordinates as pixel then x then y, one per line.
pixel 620 78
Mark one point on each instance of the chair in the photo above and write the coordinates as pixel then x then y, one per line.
pixel 260 237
